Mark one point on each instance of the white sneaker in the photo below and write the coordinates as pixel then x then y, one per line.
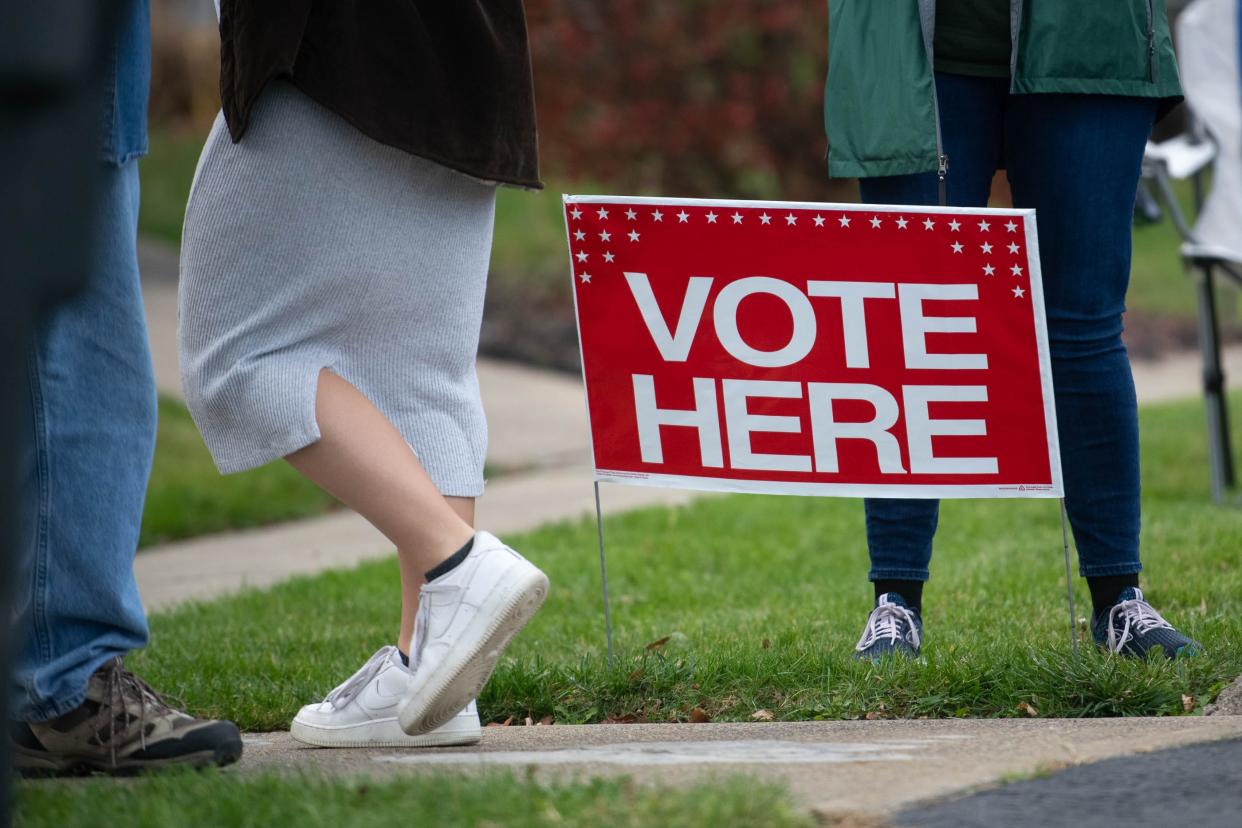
pixel 362 712
pixel 466 618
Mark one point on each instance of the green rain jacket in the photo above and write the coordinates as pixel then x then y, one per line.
pixel 880 100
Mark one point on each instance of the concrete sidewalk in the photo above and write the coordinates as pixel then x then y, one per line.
pixel 836 769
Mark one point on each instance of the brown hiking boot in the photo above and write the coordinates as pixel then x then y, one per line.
pixel 122 728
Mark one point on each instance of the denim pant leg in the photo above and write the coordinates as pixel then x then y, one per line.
pixel 1076 159
pixel 92 415
pixel 900 531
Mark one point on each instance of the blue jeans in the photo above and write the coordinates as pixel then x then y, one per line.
pixel 91 434
pixel 1075 159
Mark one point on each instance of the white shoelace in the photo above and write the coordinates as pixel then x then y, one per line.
pixel 421 619
pixel 1139 616
pixel 885 622
pixel 345 692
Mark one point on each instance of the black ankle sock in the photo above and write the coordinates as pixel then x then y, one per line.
pixel 911 591
pixel 1106 588
pixel 405 659
pixel 451 562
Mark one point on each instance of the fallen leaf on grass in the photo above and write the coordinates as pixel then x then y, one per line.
pixel 505 723
pixel 637 674
pixel 1026 708
pixel 766 643
pixel 547 720
pixel 872 715
pixel 699 716
pixel 529 721
pixel 1188 703
pixel 762 715
pixel 658 643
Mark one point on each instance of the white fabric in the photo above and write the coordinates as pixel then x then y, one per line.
pixel 363 710
pixel 1208 57
pixel 1182 156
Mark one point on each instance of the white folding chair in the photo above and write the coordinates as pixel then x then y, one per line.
pixel 1210 59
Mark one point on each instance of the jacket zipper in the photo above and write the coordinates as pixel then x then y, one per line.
pixel 927 22
pixel 1015 36
pixel 1151 43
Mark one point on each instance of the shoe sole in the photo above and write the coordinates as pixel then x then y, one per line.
pixel 36 765
pixel 467 669
pixel 378 734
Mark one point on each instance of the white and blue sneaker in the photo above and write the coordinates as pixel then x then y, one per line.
pixel 466 618
pixel 1133 627
pixel 893 628
pixel 362 712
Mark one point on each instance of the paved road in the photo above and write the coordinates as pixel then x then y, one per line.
pixel 1198 787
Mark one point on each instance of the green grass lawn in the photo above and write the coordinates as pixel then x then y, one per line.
pixel 187 496
pixel 216 800
pixel 761 600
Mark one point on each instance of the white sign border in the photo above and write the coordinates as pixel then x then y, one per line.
pixel 878 490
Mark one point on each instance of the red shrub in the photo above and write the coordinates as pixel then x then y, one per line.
pixel 683 97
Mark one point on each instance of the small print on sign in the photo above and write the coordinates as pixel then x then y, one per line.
pixel 815 349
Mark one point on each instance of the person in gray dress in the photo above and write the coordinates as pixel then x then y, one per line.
pixel 334 262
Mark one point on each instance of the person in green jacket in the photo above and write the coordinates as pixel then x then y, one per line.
pixel 924 102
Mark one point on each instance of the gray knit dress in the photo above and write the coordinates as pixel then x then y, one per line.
pixel 309 245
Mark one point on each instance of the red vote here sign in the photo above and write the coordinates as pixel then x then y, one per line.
pixel 814 349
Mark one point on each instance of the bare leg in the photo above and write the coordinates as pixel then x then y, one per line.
pixel 362 460
pixel 411 581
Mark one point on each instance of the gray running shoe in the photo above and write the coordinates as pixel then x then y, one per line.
pixel 124 727
pixel 1132 627
pixel 892 629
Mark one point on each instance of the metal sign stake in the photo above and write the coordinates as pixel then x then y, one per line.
pixel 603 573
pixel 1069 578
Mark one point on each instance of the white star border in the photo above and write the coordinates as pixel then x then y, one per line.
pixel 1014 225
